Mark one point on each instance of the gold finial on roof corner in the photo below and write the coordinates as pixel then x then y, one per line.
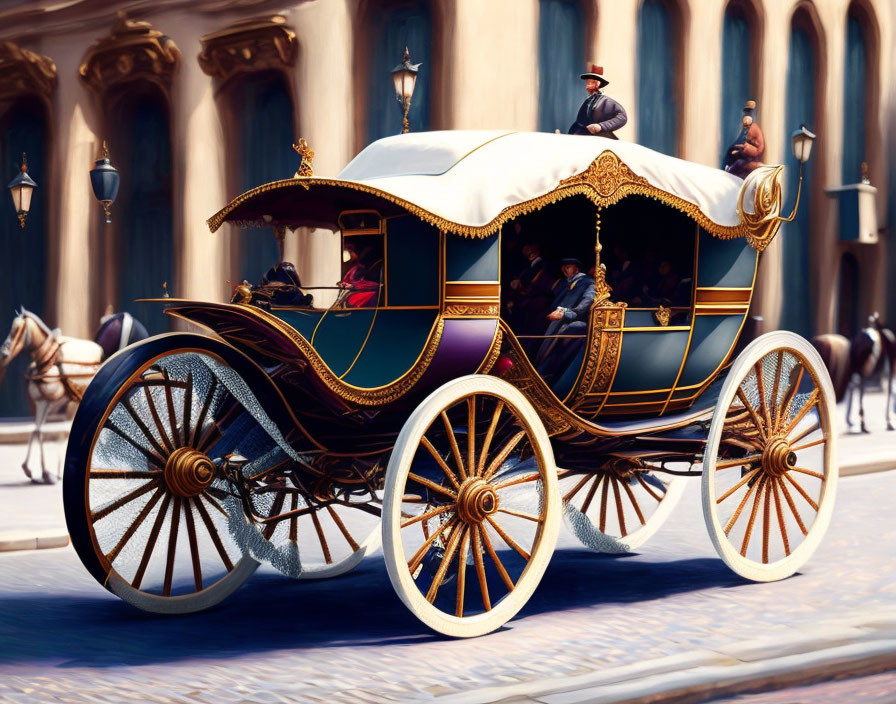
pixel 662 315
pixel 304 151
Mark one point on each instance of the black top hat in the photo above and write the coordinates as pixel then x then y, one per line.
pixel 596 72
pixel 572 260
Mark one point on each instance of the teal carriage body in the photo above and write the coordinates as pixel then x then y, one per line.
pixel 420 395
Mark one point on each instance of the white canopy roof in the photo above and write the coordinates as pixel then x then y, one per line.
pixel 470 177
pixel 469 182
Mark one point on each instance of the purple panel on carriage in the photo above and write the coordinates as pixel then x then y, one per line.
pixel 464 346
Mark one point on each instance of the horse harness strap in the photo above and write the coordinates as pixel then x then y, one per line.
pixel 45 357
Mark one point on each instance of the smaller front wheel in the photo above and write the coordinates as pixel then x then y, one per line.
pixel 770 467
pixel 471 507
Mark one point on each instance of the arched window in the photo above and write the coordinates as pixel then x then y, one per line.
pixel 802 102
pixel 738 79
pixel 561 60
pixel 855 97
pixel 143 239
pixel 263 113
pixel 23 270
pixel 408 24
pixel 659 75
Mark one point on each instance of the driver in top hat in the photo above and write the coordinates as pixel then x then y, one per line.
pixel 599 115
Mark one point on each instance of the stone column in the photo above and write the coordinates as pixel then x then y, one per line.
pixel 617 52
pixel 702 65
pixel 494 56
pixel 324 94
pixel 767 299
pixel 199 148
pixel 80 293
pixel 824 239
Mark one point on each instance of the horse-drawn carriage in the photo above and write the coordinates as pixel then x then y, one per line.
pixel 290 435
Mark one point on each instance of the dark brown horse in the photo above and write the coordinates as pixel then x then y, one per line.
pixel 850 363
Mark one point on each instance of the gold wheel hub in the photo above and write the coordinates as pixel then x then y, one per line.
pixel 778 458
pixel 476 500
pixel 188 472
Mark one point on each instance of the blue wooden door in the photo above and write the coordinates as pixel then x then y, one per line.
pixel 23 271
pixel 144 222
pixel 659 78
pixel 265 110
pixel 391 31
pixel 796 314
pixel 854 100
pixel 561 60
pixel 736 78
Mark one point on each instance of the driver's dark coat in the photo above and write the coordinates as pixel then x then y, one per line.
pixel 603 110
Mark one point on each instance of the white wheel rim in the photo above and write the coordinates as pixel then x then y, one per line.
pixel 397 475
pixel 324 571
pixel 185 603
pixel 768 508
pixel 613 539
pixel 146 518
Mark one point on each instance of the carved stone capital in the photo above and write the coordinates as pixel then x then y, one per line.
pixel 249 45
pixel 24 72
pixel 134 51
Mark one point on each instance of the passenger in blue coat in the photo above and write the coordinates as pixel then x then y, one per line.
pixel 569 317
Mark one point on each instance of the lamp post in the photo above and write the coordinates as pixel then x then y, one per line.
pixel 21 188
pixel 801 143
pixel 405 76
pixel 104 179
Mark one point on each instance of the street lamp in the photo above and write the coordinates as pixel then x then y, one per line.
pixel 405 76
pixel 21 188
pixel 801 142
pixel 104 179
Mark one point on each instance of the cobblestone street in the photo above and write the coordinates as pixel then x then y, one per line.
pixel 63 638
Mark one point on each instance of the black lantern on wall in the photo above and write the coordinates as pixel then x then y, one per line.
pixel 21 188
pixel 104 179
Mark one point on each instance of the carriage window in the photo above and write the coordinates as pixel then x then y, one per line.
pixel 547 263
pixel 648 251
pixel 363 272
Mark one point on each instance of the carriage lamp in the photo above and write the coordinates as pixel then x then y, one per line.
pixel 801 142
pixel 21 188
pixel 104 179
pixel 405 76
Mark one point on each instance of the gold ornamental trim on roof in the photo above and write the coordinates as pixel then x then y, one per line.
pixel 133 51
pixel 24 72
pixel 253 44
pixel 606 181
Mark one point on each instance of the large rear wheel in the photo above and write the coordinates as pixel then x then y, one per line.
pixel 145 496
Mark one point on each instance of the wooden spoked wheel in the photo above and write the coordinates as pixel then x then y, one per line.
pixel 154 494
pixel 770 472
pixel 332 531
pixel 617 509
pixel 471 508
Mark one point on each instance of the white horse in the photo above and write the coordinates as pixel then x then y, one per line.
pixel 60 370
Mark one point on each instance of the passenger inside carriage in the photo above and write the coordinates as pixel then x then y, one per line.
pixel 568 326
pixel 362 272
pixel 647 253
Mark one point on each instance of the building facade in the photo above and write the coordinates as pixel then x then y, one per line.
pixel 200 100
